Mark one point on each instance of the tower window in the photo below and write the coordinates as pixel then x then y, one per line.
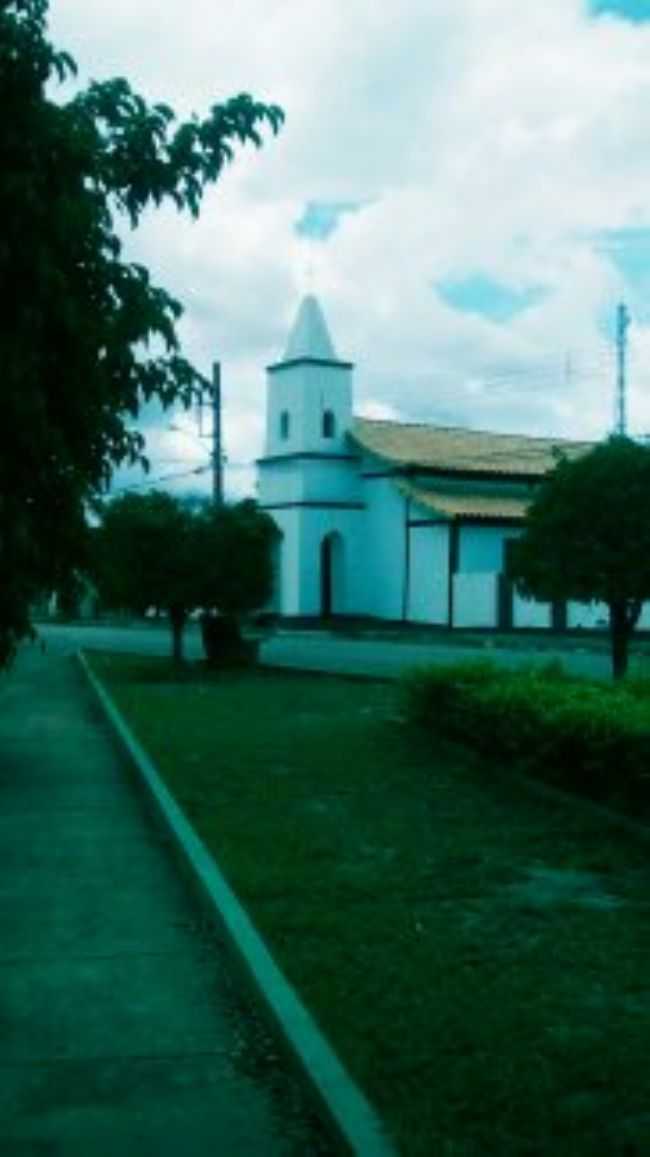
pixel 284 425
pixel 329 424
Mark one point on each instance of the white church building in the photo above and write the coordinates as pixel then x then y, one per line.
pixel 397 521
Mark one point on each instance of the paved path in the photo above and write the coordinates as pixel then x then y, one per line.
pixel 121 1029
pixel 389 658
pixel 330 652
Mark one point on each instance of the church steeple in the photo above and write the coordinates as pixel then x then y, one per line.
pixel 309 394
pixel 310 336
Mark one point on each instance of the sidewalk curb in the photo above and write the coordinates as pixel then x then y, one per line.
pixel 353 1120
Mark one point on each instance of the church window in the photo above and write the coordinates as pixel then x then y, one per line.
pixel 329 424
pixel 284 425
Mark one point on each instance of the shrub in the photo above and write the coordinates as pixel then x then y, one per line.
pixel 429 690
pixel 574 734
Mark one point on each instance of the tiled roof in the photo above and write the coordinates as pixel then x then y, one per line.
pixel 466 451
pixel 467 504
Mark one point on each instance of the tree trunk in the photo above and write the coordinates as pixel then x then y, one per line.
pixel 619 628
pixel 177 618
pixel 222 640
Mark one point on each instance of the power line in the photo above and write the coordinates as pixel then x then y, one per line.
pixel 162 478
pixel 537 381
pixel 547 371
pixel 177 475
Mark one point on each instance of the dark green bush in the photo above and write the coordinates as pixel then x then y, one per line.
pixel 582 736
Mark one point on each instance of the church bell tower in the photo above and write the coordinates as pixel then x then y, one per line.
pixel 309 392
pixel 307 476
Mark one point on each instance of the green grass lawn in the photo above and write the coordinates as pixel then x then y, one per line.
pixel 478 956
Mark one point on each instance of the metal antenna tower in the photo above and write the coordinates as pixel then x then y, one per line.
pixel 622 323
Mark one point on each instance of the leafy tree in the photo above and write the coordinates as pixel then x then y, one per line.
pixel 236 543
pixel 71 596
pixel 144 555
pixel 588 537
pixel 85 336
pixel 152 550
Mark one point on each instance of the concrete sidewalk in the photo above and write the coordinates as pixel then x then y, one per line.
pixel 120 1025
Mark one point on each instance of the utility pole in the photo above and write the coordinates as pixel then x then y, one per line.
pixel 217 472
pixel 622 323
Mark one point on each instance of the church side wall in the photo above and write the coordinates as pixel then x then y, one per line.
pixel 475 600
pixel 384 549
pixel 644 618
pixel 481 559
pixel 587 615
pixel 530 613
pixel 480 549
pixel 480 562
pixel 429 575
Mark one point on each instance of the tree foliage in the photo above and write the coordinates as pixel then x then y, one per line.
pixel 152 550
pixel 236 545
pixel 588 536
pixel 144 554
pixel 85 336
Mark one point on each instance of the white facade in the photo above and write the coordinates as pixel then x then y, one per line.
pixel 429 579
pixel 308 477
pixel 361 535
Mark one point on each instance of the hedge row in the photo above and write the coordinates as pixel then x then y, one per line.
pixel 585 737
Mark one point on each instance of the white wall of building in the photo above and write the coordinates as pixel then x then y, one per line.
pixel 587 615
pixel 308 480
pixel 279 482
pixel 382 581
pixel 287 590
pixel 529 613
pixel 313 526
pixel 298 560
pixel 312 488
pixel 333 480
pixel 304 390
pixel 596 615
pixel 644 618
pixel 475 600
pixel 429 575
pixel 481 550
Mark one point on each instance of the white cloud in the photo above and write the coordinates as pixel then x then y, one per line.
pixel 480 135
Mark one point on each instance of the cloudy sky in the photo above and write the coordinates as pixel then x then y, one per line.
pixel 465 184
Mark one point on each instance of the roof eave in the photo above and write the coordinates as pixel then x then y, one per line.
pixel 309 361
pixel 409 470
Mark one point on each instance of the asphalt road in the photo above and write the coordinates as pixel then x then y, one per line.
pixel 328 652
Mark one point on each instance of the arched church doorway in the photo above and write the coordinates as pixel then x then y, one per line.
pixel 331 575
